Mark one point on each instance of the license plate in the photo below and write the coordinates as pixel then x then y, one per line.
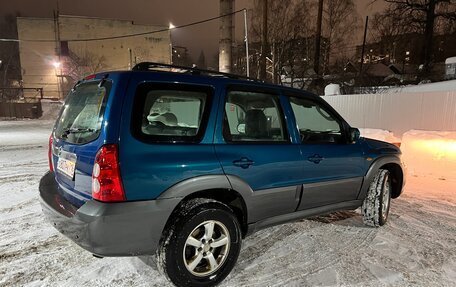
pixel 67 164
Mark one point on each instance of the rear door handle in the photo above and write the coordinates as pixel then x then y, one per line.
pixel 243 162
pixel 316 158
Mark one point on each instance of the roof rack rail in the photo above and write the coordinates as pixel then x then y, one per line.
pixel 152 66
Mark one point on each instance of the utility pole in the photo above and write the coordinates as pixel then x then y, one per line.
pixel 58 64
pixel 246 32
pixel 226 36
pixel 264 40
pixel 428 36
pixel 130 62
pixel 318 38
pixel 364 46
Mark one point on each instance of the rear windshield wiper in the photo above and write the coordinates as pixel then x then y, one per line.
pixel 68 131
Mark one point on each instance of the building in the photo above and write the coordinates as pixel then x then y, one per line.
pixel 406 49
pixel 55 53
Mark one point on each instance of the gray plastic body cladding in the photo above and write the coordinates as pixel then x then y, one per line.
pixel 108 229
pixel 260 204
pixel 373 169
pixel 330 192
pixel 273 202
pixel 289 217
pixel 195 184
pixel 266 203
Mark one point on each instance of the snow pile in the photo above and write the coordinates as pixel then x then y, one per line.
pixel 430 153
pixel 51 109
pixel 332 90
pixel 378 134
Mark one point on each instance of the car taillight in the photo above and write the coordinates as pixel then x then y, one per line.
pixel 51 164
pixel 106 181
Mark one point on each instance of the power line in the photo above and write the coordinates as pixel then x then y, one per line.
pixel 128 35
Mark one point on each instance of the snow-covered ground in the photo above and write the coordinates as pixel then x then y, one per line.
pixel 417 247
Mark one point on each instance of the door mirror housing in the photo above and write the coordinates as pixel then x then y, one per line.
pixel 354 135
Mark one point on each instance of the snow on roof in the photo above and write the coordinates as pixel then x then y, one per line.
pixel 451 60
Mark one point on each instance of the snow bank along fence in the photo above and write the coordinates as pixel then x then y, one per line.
pixel 430 154
pixel 426 122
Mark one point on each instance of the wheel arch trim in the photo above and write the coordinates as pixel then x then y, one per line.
pixel 390 162
pixel 213 184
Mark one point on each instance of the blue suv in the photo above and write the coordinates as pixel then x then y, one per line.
pixel 185 163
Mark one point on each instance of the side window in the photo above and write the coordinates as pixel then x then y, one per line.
pixel 315 123
pixel 170 113
pixel 253 117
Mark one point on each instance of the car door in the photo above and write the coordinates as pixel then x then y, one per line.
pixel 333 167
pixel 254 147
pixel 163 135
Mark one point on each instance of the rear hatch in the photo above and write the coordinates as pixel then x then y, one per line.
pixel 78 134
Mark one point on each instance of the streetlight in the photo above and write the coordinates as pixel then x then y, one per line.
pixel 56 64
pixel 58 74
pixel 406 59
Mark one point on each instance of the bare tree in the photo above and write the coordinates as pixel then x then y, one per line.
pixel 201 63
pixel 10 69
pixel 390 24
pixel 79 65
pixel 388 29
pixel 340 22
pixel 426 16
pixel 289 24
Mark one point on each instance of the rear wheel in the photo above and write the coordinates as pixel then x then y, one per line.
pixel 201 244
pixel 376 205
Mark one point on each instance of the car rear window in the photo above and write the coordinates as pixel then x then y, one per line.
pixel 82 115
pixel 171 112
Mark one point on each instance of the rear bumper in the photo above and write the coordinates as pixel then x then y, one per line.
pixel 107 229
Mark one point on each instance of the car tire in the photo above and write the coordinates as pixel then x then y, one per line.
pixel 377 203
pixel 201 244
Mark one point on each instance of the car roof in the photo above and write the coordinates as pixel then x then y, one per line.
pixel 200 76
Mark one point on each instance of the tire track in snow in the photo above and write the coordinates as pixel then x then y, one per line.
pixel 20 178
pixel 309 251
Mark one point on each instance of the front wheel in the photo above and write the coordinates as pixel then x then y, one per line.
pixel 376 205
pixel 201 244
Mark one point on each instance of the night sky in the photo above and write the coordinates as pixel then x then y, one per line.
pixel 179 12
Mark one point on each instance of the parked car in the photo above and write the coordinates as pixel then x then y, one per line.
pixel 186 164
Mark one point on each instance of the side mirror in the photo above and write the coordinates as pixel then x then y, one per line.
pixel 354 135
pixel 241 128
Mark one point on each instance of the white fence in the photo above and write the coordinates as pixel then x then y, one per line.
pixel 399 112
